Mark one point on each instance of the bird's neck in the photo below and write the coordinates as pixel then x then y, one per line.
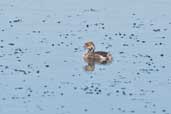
pixel 90 51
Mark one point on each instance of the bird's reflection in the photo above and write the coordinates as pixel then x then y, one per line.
pixel 91 63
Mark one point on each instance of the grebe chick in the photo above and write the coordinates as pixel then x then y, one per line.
pixel 96 56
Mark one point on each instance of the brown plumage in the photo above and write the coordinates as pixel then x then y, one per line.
pixel 98 56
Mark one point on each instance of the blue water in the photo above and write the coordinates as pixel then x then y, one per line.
pixel 41 64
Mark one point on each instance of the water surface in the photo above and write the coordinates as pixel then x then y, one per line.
pixel 41 64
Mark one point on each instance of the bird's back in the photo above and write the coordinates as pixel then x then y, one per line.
pixel 102 53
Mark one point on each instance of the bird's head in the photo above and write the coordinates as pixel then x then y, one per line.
pixel 89 45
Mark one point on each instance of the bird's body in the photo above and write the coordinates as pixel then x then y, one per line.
pixel 96 56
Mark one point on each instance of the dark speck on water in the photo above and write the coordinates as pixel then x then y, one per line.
pixel 18 70
pixel 85 110
pixel 47 66
pixel 53 44
pixel 162 55
pixel 87 26
pixel 163 110
pixel 17 20
pixel 43 21
pixel 37 71
pixel 156 30
pixel 11 44
pixel 58 22
pixel 62 94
